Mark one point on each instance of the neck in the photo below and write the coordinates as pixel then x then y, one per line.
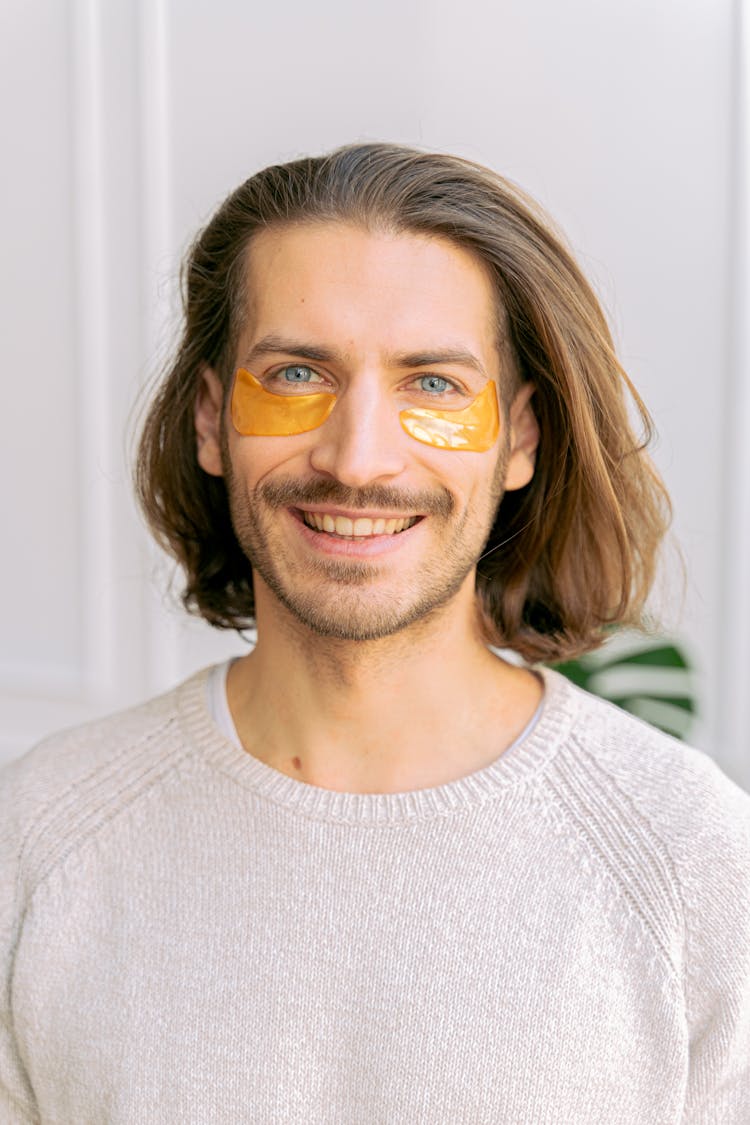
pixel 417 709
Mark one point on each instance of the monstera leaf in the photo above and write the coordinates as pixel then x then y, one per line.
pixel 650 677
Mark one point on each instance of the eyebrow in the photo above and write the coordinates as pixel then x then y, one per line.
pixel 274 344
pixel 281 345
pixel 451 356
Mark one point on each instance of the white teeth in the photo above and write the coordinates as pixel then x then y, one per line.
pixel 360 528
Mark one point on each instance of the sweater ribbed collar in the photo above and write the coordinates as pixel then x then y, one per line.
pixel 513 767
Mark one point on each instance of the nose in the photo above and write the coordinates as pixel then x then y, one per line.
pixel 361 440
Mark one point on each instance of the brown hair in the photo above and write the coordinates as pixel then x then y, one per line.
pixel 571 553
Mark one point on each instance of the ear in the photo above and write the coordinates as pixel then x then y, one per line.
pixel 208 407
pixel 524 439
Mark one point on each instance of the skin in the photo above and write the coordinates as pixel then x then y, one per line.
pixel 370 673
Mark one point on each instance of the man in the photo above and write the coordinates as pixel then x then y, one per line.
pixel 373 872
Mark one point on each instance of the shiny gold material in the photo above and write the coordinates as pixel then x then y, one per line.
pixel 475 428
pixel 257 412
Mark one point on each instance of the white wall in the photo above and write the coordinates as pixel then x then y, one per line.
pixel 124 123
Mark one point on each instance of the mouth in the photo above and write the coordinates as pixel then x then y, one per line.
pixel 359 528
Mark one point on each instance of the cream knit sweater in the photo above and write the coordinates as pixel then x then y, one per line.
pixel 187 935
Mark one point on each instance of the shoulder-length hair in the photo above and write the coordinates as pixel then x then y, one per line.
pixel 569 555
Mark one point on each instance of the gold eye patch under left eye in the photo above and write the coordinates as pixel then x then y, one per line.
pixel 257 412
pixel 474 429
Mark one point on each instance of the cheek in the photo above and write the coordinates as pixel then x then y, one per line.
pixel 474 476
pixel 252 459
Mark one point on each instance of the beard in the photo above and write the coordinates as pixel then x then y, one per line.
pixel 345 599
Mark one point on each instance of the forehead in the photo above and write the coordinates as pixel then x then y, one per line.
pixel 336 282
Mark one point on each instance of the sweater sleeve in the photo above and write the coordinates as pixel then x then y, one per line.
pixel 16 1097
pixel 715 875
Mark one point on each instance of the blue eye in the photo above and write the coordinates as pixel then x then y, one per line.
pixel 297 373
pixel 434 384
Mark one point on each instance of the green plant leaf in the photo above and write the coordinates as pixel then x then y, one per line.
pixel 650 678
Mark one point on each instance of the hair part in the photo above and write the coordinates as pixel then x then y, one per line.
pixel 569 555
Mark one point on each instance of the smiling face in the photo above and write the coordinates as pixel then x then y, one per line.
pixel 354 525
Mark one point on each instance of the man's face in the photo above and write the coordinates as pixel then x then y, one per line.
pixel 355 526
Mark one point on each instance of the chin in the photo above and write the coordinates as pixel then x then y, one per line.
pixel 360 621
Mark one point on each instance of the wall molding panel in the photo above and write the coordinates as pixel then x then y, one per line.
pixel 105 273
pixel 161 309
pixel 734 643
pixel 93 321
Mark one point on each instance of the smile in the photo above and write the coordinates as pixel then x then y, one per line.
pixel 361 528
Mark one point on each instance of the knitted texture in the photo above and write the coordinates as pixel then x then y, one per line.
pixel 187 935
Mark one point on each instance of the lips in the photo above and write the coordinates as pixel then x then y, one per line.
pixel 360 528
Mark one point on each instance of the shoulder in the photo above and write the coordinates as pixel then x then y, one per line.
pixel 678 787
pixel 75 780
pixel 673 828
pixel 63 761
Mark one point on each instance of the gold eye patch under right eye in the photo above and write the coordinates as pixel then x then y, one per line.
pixel 258 413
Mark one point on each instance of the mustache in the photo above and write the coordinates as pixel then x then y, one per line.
pixel 290 493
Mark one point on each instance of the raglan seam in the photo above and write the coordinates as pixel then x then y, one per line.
pixel 29 1113
pixel 170 764
pixel 55 806
pixel 593 847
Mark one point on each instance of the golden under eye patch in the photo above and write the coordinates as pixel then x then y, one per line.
pixel 259 413
pixel 475 428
